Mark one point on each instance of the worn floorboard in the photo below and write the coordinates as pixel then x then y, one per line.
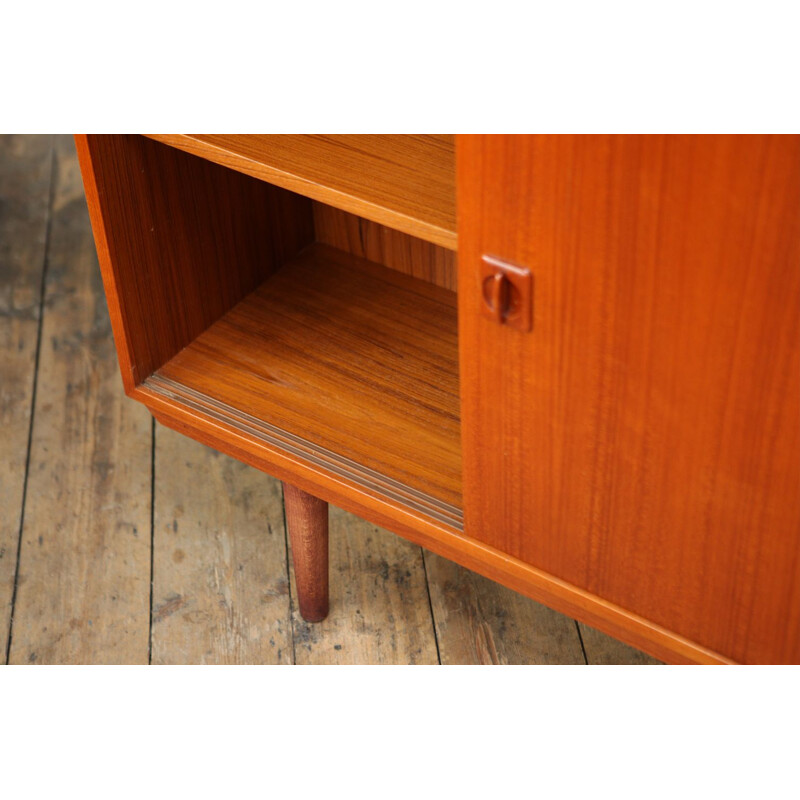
pixel 220 592
pixel 602 649
pixel 379 609
pixel 84 568
pixel 25 176
pixel 479 621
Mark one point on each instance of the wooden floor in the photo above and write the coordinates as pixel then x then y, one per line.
pixel 123 542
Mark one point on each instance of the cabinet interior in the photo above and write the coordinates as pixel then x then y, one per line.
pixel 406 182
pixel 287 315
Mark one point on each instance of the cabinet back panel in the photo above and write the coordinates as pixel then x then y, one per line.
pixel 643 440
pixel 398 251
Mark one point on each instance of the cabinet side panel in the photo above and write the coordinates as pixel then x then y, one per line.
pixel 180 240
pixel 642 442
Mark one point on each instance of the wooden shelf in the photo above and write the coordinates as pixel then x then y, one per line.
pixel 404 182
pixel 350 364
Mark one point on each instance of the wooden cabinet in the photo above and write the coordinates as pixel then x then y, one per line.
pixel 611 427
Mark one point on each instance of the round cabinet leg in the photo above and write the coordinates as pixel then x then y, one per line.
pixel 307 519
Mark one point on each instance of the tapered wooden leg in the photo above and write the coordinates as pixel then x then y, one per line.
pixel 307 519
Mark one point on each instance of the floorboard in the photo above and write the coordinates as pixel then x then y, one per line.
pixel 25 176
pixel 84 568
pixel 479 621
pixel 220 593
pixel 602 649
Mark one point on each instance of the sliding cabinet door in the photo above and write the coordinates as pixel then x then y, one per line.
pixel 638 438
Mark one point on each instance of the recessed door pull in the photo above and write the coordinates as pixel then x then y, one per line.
pixel 507 293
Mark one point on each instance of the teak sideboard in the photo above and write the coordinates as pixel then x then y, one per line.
pixel 570 363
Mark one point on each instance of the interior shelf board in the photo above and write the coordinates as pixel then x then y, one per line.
pixel 405 182
pixel 346 362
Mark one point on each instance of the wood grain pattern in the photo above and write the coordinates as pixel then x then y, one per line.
pixel 307 523
pixel 380 612
pixel 220 589
pixel 404 181
pixel 365 239
pixel 479 621
pixel 84 577
pixel 180 241
pixel 25 176
pixel 642 442
pixel 350 357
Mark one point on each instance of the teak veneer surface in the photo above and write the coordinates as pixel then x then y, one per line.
pixel 404 181
pixel 642 441
pixel 350 357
